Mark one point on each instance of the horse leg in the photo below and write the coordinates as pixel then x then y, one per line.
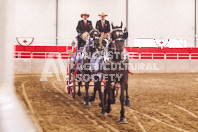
pixel 86 99
pixel 109 100
pixel 122 111
pixel 127 102
pixel 113 96
pixel 79 80
pixel 105 95
pixel 98 84
pixel 92 98
pixel 79 84
pixel 101 98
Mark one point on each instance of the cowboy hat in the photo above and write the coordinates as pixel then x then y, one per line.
pixel 102 14
pixel 85 13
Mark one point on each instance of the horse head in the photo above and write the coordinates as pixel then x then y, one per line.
pixel 118 32
pixel 95 39
pixel 118 37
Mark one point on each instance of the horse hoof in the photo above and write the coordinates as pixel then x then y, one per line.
pixel 127 103
pixel 104 113
pixel 123 120
pixel 72 70
pixel 91 98
pixel 108 110
pixel 114 101
pixel 79 94
pixel 87 103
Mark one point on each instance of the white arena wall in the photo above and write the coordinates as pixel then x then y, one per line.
pixel 34 66
pixel 37 18
pixel 166 19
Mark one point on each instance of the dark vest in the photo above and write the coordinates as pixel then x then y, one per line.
pixel 106 28
pixel 81 28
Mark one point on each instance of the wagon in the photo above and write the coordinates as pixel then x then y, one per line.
pixel 71 76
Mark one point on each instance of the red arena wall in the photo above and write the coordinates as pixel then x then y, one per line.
pixel 55 52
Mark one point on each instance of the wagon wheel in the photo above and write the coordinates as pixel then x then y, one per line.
pixel 71 82
pixel 68 79
pixel 73 87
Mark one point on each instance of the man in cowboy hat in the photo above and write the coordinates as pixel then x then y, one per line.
pixel 103 25
pixel 82 27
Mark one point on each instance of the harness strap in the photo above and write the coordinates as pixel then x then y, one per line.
pixel 107 59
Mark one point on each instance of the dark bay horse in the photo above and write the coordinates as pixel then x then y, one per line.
pixel 116 68
pixel 95 44
pixel 113 62
pixel 116 34
pixel 91 44
pixel 97 59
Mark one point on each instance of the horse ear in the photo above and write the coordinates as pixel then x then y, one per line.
pixel 125 33
pixel 121 24
pixel 125 30
pixel 112 25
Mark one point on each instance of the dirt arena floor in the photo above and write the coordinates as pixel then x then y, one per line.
pixel 160 102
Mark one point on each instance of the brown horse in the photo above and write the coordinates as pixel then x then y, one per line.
pixel 116 68
pixel 111 64
pixel 94 45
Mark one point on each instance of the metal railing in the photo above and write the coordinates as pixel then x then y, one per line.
pixel 165 56
pixel 42 55
pixel 132 55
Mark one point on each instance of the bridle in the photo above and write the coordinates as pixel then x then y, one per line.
pixel 110 60
pixel 91 44
pixel 91 39
pixel 101 38
pixel 114 44
pixel 116 29
pixel 106 56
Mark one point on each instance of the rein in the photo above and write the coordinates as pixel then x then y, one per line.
pixel 118 39
pixel 116 29
pixel 108 59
